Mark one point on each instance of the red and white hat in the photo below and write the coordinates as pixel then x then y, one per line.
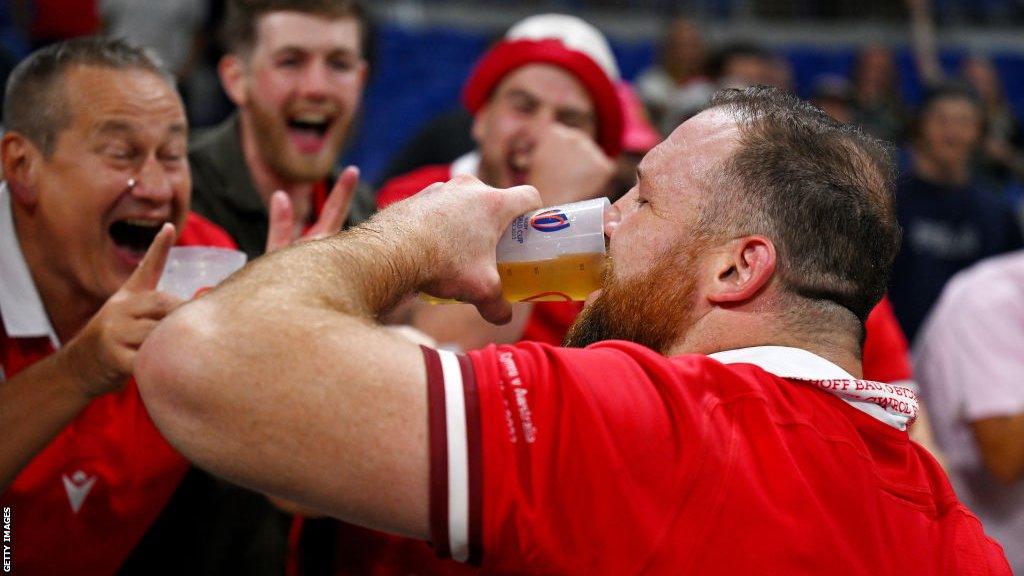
pixel 564 41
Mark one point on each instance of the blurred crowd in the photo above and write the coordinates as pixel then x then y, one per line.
pixel 954 288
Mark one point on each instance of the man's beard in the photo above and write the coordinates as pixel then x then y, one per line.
pixel 654 309
pixel 271 135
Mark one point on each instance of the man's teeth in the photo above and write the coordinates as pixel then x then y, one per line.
pixel 311 118
pixel 143 223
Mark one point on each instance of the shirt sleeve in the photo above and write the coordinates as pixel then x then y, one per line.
pixel 541 456
pixel 969 352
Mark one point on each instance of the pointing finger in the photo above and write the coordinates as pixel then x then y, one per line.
pixel 147 275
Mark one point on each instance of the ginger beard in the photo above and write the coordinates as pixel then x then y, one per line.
pixel 653 309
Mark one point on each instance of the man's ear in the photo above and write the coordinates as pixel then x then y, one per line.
pixel 233 78
pixel 479 120
pixel 21 164
pixel 742 270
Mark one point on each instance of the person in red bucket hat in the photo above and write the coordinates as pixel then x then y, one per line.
pixel 546 112
pixel 567 43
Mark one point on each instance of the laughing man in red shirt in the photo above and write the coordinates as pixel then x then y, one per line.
pixel 714 421
pixel 94 158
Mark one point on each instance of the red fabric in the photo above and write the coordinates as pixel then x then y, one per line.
pixel 199 231
pixel 320 193
pixel 638 135
pixel 404 186
pixel 132 470
pixel 886 356
pixel 61 19
pixel 509 55
pixel 617 460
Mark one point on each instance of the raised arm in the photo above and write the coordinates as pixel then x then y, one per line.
pixel 282 380
pixel 923 41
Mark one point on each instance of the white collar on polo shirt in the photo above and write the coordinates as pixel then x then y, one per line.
pixel 785 362
pixel 893 404
pixel 20 304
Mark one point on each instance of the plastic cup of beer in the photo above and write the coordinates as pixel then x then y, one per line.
pixel 554 254
pixel 191 270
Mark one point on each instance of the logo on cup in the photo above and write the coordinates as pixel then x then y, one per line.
pixel 549 221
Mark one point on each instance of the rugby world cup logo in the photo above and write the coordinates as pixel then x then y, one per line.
pixel 549 221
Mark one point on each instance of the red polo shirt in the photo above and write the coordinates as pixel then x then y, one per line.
pixel 617 460
pixel 85 501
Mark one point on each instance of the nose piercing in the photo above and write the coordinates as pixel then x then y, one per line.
pixel 132 183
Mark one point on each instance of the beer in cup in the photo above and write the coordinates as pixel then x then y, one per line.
pixel 554 254
pixel 191 270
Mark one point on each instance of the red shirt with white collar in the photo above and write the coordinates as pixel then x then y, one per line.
pixel 616 460
pixel 83 503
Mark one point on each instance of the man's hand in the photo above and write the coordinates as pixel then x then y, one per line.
pixel 283 230
pixel 225 366
pixel 451 230
pixel 567 166
pixel 102 355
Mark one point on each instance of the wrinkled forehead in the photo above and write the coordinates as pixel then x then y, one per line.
pixel 694 151
pixel 96 95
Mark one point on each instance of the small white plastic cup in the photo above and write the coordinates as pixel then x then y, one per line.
pixel 555 253
pixel 192 269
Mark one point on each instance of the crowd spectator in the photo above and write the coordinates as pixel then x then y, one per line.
pixel 1001 157
pixel 676 87
pixel 95 166
pixel 948 221
pixel 296 72
pixel 998 160
pixel 879 107
pixel 834 94
pixel 735 65
pixel 743 64
pixel 969 365
pixel 780 74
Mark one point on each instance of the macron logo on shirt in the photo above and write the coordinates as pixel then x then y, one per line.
pixel 78 487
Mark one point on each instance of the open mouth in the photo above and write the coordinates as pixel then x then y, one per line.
pixel 518 167
pixel 134 236
pixel 312 127
pixel 308 130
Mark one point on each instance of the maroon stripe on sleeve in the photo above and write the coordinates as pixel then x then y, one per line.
pixel 438 431
pixel 474 449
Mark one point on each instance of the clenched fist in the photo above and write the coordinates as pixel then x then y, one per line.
pixel 566 165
